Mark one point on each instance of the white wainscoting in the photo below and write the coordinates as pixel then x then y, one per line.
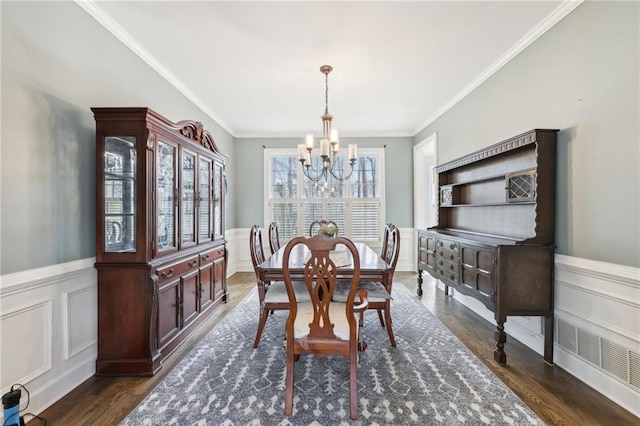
pixel 51 315
pixel 597 326
pixel 48 329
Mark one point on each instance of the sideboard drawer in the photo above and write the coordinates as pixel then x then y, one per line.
pixel 172 271
pixel 447 270
pixel 211 255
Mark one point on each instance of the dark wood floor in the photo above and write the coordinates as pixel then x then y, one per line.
pixel 557 397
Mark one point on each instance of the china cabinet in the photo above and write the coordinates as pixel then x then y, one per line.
pixel 160 240
pixel 496 231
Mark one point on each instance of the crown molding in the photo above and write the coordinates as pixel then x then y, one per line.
pixel 92 8
pixel 552 19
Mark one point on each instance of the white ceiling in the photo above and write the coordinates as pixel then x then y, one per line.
pixel 254 66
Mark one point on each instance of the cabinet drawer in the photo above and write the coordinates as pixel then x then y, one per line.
pixel 211 255
pixel 177 269
pixel 447 245
pixel 448 250
pixel 447 270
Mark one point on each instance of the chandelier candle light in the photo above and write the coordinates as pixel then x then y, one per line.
pixel 329 145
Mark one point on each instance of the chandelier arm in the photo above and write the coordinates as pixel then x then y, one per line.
pixel 319 174
pixel 342 178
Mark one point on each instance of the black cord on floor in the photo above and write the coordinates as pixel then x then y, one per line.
pixel 43 421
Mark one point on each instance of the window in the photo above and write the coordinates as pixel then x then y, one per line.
pixel 356 205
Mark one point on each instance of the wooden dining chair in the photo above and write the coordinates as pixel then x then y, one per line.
pixel 271 295
pixel 320 325
pixel 318 225
pixel 378 293
pixel 274 237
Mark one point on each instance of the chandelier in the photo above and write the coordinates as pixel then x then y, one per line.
pixel 329 146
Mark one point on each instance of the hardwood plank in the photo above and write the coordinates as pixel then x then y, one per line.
pixel 553 394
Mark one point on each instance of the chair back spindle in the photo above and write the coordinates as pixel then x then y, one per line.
pixel 274 237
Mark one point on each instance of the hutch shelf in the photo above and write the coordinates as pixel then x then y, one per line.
pixel 160 241
pixel 495 237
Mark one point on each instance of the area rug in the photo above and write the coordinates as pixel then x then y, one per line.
pixel 429 378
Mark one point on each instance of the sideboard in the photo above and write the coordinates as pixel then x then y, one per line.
pixel 495 237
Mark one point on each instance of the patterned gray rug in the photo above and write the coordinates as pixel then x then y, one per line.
pixel 430 378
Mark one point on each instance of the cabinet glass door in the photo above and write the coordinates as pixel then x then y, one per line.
pixel 204 204
pixel 120 194
pixel 188 200
pixel 165 193
pixel 218 181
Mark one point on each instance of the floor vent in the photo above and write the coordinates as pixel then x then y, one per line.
pixel 612 358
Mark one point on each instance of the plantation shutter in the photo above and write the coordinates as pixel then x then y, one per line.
pixel 365 221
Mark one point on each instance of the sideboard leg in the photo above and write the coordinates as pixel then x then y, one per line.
pixel 548 339
pixel 501 338
pixel 419 282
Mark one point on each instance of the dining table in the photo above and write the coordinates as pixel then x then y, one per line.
pixel 372 267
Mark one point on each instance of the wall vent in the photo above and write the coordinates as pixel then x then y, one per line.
pixel 566 335
pixel 589 346
pixel 614 359
pixel 609 357
pixel 634 369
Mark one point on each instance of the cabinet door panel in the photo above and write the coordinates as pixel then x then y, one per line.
pixel 477 269
pixel 426 252
pixel 166 202
pixel 187 198
pixel 218 195
pixel 207 281
pixel 168 312
pixel 120 194
pixel 205 219
pixel 219 278
pixel 190 295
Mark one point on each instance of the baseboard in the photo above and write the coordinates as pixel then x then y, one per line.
pixel 600 346
pixel 50 392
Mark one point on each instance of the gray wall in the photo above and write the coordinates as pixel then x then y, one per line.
pixel 398 176
pixel 581 77
pixel 57 62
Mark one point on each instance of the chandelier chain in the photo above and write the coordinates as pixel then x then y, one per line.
pixel 326 93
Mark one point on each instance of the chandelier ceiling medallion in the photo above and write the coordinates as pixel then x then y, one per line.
pixel 329 146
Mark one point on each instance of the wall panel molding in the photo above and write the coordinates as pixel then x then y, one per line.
pixel 27 327
pixel 49 313
pixel 81 321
